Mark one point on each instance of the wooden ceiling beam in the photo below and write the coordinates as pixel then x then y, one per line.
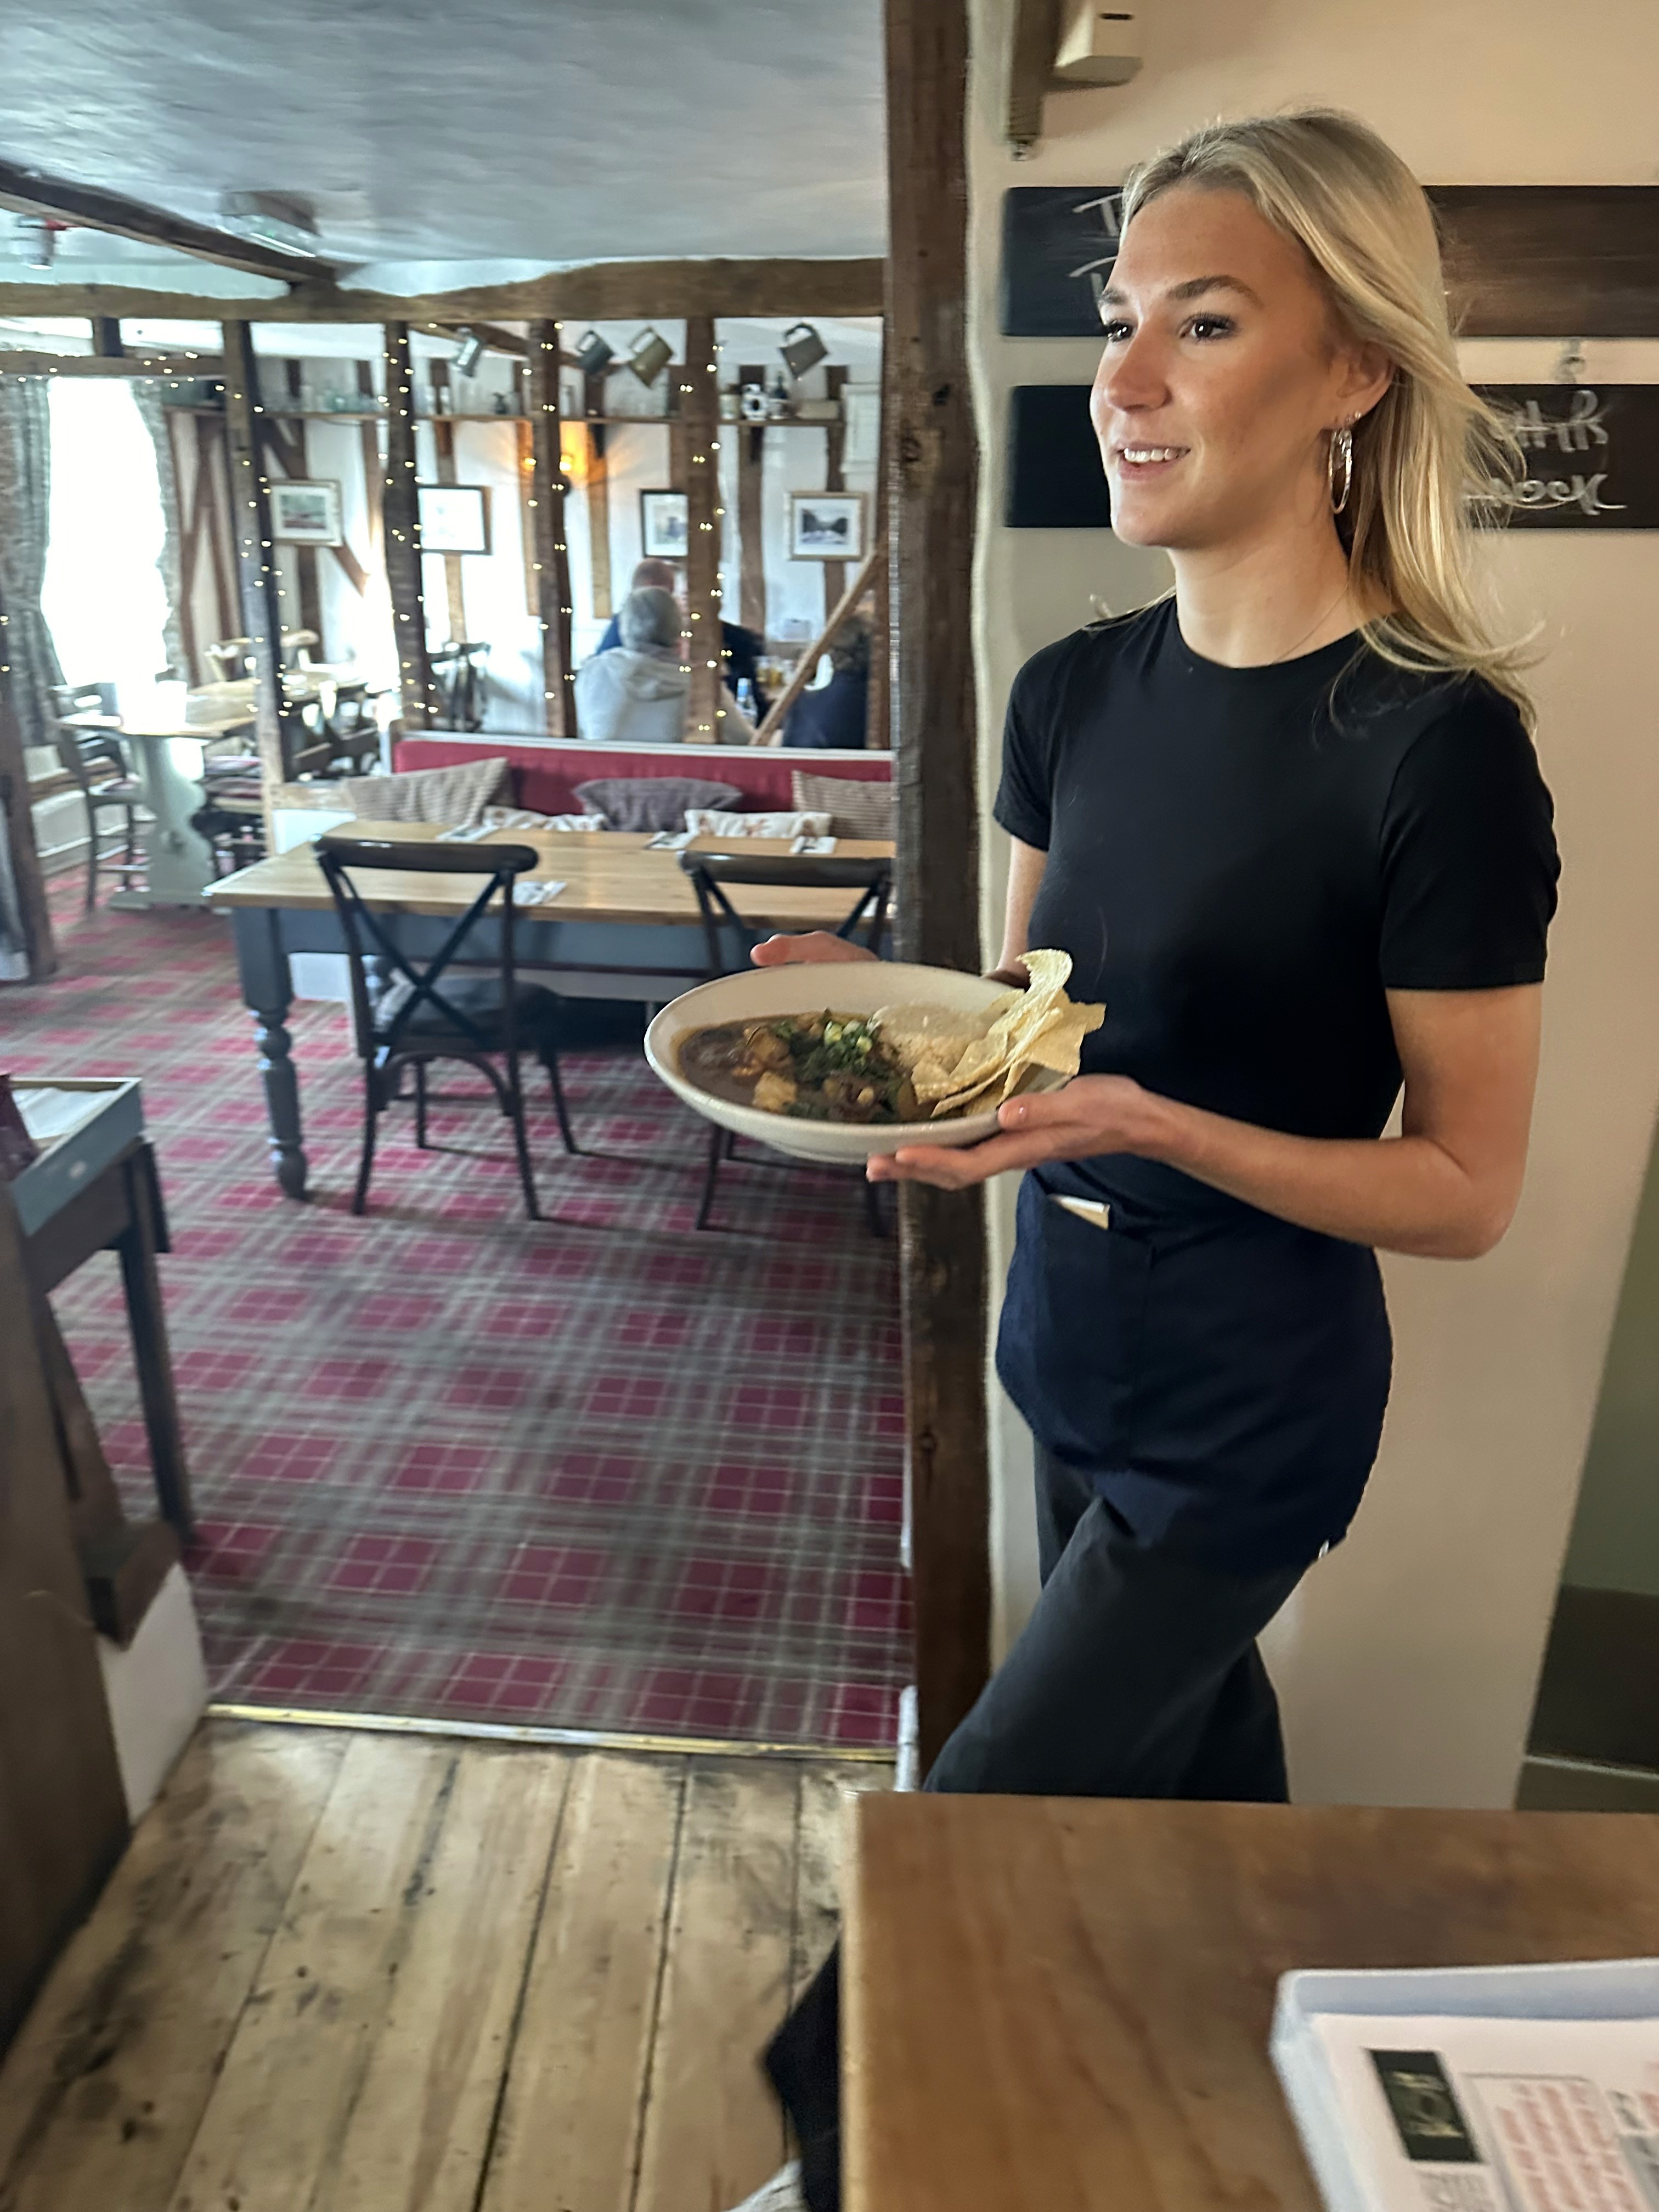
pixel 177 366
pixel 495 340
pixel 599 291
pixel 85 207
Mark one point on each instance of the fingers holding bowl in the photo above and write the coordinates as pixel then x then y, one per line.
pixel 814 946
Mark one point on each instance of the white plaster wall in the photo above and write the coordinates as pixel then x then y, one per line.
pixel 157 1690
pixel 1407 1665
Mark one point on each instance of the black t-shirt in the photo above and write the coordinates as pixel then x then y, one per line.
pixel 1242 861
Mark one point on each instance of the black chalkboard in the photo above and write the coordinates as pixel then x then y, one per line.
pixel 1058 247
pixel 1592 455
pixel 1055 480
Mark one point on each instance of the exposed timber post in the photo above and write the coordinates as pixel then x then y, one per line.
pixel 942 1257
pixel 256 553
pixel 551 566
pixel 699 398
pixel 401 518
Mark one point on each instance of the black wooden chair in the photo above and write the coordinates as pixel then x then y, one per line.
pixel 725 933
pixel 407 1012
pixel 97 764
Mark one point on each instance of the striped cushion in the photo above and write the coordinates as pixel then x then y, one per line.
pixel 856 809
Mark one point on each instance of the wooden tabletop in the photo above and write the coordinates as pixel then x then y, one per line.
pixel 203 718
pixel 1065 2004
pixel 608 875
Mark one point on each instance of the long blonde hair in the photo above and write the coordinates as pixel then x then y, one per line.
pixel 1430 451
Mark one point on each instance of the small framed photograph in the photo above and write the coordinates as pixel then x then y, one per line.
pixel 306 514
pixel 454 518
pixel 826 526
pixel 664 525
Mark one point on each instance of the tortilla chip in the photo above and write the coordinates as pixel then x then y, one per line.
pixel 1059 1044
pixel 1049 972
pixel 956 1059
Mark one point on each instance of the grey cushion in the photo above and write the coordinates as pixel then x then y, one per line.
pixel 652 802
pixel 857 806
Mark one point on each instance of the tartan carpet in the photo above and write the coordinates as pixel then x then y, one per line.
pixel 597 1472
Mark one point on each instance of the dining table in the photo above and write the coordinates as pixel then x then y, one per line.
pixel 168 735
pixel 170 732
pixel 623 924
pixel 1055 2003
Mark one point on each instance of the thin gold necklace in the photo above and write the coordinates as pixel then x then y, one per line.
pixel 1319 618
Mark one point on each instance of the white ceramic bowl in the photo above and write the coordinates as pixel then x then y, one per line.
pixel 851 986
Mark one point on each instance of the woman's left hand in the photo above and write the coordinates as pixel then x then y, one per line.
pixel 1093 1114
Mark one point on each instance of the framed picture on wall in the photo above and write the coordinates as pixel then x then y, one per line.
pixel 306 514
pixel 454 518
pixel 664 525
pixel 826 526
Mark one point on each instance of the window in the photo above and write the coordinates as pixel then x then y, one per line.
pixel 103 599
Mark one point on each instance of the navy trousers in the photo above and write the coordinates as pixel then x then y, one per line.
pixel 1137 1675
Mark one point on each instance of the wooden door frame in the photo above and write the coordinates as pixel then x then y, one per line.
pixel 932 455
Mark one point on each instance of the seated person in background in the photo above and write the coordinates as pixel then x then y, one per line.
pixel 834 718
pixel 636 694
pixel 740 649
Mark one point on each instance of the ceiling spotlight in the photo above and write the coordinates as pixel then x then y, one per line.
pixel 594 356
pixel 802 348
pixel 271 218
pixel 37 235
pixel 649 355
pixel 470 353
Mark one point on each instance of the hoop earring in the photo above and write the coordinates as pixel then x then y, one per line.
pixel 1340 466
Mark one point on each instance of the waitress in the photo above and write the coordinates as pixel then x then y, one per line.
pixel 1289 826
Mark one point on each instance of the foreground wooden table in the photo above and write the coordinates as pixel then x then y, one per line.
pixel 1063 2005
pixel 626 926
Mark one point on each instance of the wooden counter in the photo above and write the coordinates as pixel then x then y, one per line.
pixel 1063 2005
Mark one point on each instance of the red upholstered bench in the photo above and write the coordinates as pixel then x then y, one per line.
pixel 546 770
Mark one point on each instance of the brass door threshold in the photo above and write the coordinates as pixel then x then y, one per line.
pixel 687 1747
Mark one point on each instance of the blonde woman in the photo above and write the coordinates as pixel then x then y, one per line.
pixel 1289 823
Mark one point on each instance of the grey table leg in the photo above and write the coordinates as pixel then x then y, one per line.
pixel 268 988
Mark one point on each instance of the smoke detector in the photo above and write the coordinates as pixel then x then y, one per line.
pixel 1098 46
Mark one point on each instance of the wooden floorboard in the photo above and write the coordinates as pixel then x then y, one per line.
pixel 374 1973
pixel 569 2134
pixel 103 2091
pixel 822 1841
pixel 712 2130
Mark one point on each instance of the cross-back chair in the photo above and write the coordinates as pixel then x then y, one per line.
pixel 408 1011
pixel 96 763
pixel 726 932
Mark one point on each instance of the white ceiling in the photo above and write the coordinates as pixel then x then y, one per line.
pixel 498 138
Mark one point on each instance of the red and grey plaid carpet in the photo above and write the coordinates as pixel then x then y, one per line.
pixel 598 1471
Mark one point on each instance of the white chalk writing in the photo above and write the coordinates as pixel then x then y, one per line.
pixel 1548 494
pixel 1108 207
pixel 1575 432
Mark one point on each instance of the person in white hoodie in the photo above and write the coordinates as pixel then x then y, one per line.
pixel 635 694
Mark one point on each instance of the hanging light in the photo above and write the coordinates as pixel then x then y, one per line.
pixel 802 348
pixel 594 356
pixel 470 355
pixel 649 355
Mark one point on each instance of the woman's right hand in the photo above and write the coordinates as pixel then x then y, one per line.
pixel 816 945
